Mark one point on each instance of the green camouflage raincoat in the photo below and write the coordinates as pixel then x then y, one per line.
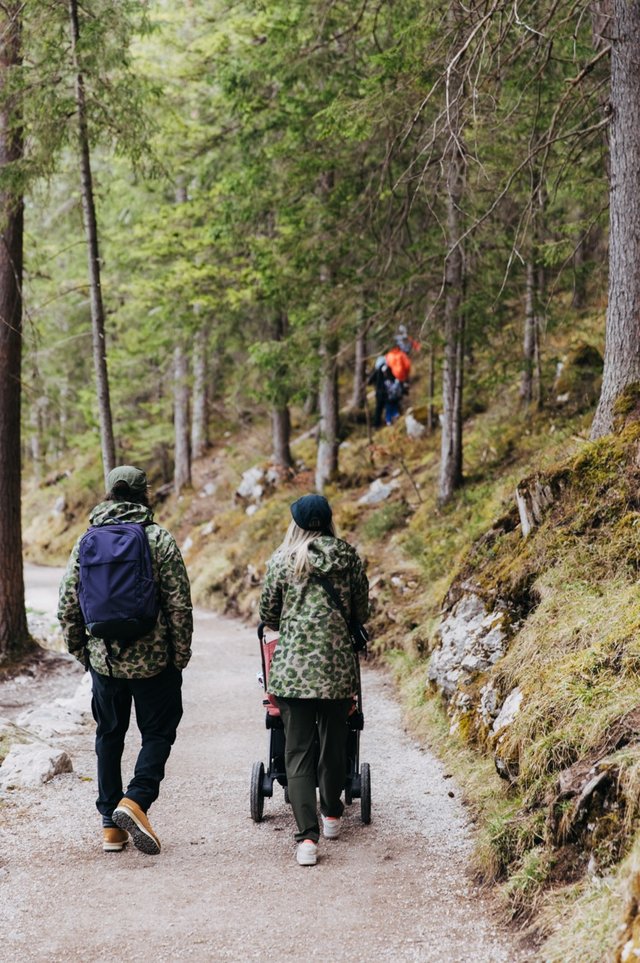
pixel 171 638
pixel 314 658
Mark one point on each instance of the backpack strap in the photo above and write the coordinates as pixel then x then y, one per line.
pixel 333 595
pixel 357 632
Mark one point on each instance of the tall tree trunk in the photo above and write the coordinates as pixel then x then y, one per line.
pixel 182 464
pixel 14 634
pixel 63 417
pixel 452 380
pixel 35 441
pixel 200 408
pixel 458 394
pixel 281 437
pixel 280 414
pixel 530 346
pixel 541 289
pixel 531 381
pixel 328 435
pixel 622 341
pixel 360 369
pixel 329 423
pixel 310 403
pixel 431 412
pixel 579 298
pixel 91 231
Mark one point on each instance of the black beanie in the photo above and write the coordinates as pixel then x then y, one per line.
pixel 312 512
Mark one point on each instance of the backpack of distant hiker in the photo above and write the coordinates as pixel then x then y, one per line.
pixel 399 363
pixel 117 592
pixel 394 390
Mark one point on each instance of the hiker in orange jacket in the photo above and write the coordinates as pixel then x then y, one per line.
pixel 399 363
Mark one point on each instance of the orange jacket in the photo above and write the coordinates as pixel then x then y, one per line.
pixel 399 363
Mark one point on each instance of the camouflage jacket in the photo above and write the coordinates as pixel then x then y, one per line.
pixel 314 658
pixel 171 637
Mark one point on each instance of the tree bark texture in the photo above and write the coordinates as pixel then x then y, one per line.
pixel 182 464
pixel 280 414
pixel 529 385
pixel 360 369
pixel 450 477
pixel 91 231
pixel 622 336
pixel 281 437
pixel 14 633
pixel 328 434
pixel 579 297
pixel 35 441
pixel 431 409
pixel 200 408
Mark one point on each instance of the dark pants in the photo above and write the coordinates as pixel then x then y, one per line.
pixel 391 410
pixel 158 703
pixel 303 720
pixel 379 409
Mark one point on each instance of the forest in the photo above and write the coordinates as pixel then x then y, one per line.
pixel 216 216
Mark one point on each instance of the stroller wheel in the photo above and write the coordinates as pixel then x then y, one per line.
pixel 286 795
pixel 365 793
pixel 257 792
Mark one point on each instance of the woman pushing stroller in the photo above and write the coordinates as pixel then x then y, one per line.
pixel 313 674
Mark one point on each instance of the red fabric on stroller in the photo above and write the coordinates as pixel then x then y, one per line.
pixel 267 648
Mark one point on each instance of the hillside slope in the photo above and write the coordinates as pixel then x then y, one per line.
pixel 511 623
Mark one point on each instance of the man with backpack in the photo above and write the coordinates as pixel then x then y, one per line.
pixel 125 611
pixel 389 393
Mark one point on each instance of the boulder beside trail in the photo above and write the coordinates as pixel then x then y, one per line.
pixel 471 639
pixel 60 716
pixel 31 765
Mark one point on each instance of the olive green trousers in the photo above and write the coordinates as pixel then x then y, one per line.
pixel 315 755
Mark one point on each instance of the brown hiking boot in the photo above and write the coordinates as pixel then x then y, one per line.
pixel 114 840
pixel 129 816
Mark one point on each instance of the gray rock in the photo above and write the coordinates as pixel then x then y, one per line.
pixel 62 716
pixel 508 712
pixel 251 487
pixel 413 426
pixel 506 767
pixel 488 708
pixel 378 492
pixel 471 640
pixel 32 765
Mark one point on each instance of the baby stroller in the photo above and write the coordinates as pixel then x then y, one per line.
pixel 357 784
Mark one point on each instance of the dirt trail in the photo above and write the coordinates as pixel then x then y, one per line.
pixel 223 887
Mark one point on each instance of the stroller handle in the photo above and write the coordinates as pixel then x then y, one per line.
pixel 262 629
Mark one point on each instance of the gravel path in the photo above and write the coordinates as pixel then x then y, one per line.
pixel 225 888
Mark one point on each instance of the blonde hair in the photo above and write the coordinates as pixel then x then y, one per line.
pixel 295 547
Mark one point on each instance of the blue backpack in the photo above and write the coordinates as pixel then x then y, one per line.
pixel 118 596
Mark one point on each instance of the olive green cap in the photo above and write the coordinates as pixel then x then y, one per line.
pixel 133 477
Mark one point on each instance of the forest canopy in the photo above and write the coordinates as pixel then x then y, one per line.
pixel 280 186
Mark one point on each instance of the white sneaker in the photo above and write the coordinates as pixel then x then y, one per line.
pixel 331 826
pixel 307 853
